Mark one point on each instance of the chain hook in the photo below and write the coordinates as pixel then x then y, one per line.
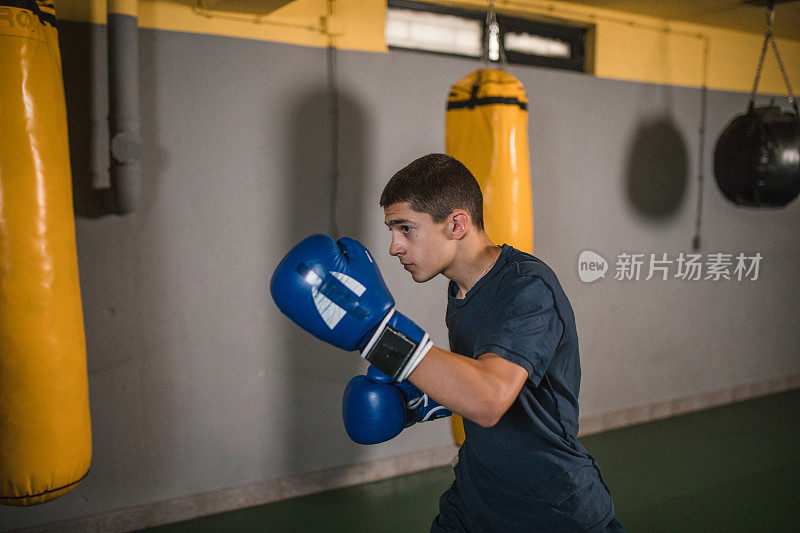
pixel 769 38
pixel 492 35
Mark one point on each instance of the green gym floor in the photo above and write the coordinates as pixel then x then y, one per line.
pixel 731 468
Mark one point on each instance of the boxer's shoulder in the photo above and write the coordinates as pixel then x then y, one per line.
pixel 522 264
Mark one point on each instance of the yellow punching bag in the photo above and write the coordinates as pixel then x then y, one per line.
pixel 45 435
pixel 487 130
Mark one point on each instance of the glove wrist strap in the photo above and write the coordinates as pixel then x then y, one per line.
pixel 397 346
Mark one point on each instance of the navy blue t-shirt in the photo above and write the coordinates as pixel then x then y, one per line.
pixel 528 472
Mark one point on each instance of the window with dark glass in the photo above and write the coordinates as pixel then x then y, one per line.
pixel 461 32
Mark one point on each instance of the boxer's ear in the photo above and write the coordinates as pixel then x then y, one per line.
pixel 458 222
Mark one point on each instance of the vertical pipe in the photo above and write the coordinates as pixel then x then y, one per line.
pixel 123 98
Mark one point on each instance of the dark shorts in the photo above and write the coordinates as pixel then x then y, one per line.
pixel 452 518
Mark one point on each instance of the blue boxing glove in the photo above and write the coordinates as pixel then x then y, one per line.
pixel 376 408
pixel 335 291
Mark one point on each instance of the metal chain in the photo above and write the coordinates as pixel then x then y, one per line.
pixel 770 38
pixel 701 142
pixel 333 106
pixel 767 37
pixel 792 99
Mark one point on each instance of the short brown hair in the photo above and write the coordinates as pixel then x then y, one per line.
pixel 436 184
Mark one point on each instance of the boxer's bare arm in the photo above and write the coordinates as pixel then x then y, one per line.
pixel 479 389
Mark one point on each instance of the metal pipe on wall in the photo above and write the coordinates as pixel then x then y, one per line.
pixel 123 99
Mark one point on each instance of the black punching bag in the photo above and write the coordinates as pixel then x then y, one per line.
pixel 757 158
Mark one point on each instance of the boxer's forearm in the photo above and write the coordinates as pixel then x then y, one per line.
pixel 480 390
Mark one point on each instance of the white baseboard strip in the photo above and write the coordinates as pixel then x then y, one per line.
pixel 657 411
pixel 194 506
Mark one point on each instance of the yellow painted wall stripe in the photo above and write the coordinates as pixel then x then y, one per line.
pixel 359 24
pixel 124 7
pixel 627 47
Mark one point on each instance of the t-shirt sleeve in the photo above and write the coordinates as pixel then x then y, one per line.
pixel 525 328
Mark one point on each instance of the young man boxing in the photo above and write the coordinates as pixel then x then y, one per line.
pixel 512 371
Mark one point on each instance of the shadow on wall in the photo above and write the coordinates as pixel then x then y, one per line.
pixel 354 199
pixel 319 372
pixel 123 319
pixel 79 85
pixel 657 171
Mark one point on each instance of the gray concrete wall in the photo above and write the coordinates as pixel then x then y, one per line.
pixel 198 382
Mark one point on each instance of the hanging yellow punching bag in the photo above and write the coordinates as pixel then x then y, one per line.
pixel 45 435
pixel 487 130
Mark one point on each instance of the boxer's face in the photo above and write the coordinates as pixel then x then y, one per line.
pixel 421 245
